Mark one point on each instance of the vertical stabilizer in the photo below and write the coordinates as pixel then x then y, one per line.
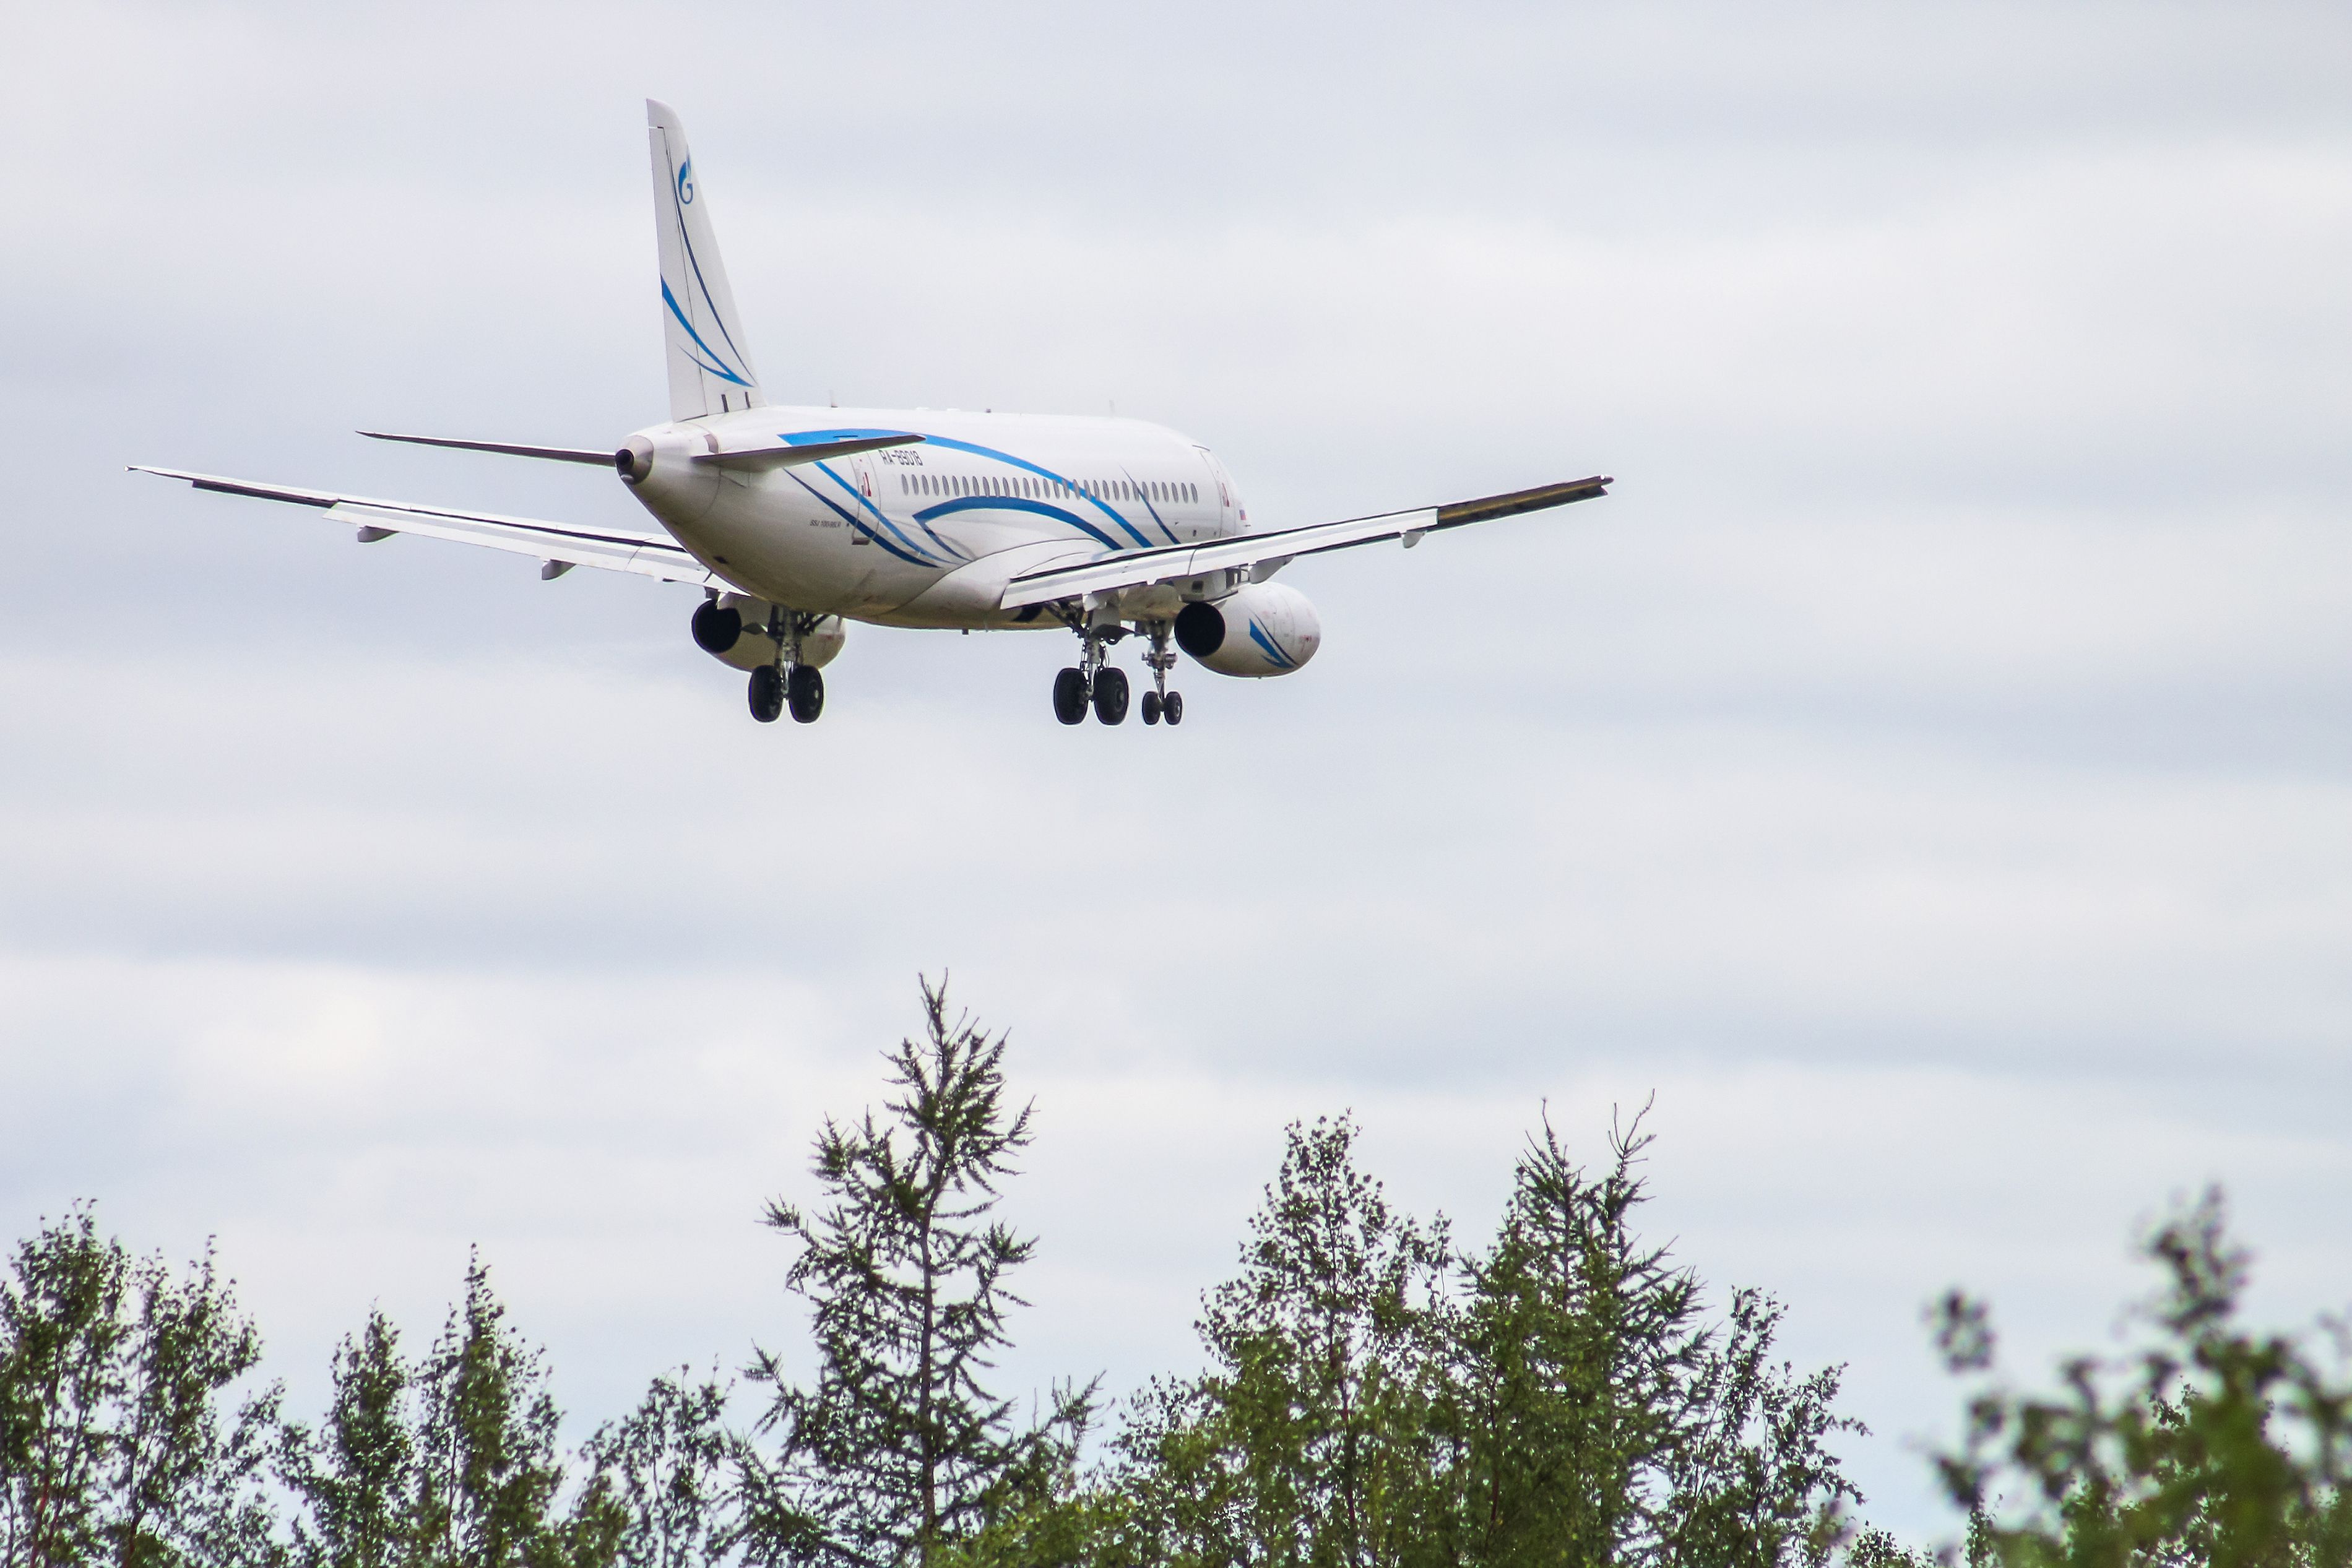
pixel 709 370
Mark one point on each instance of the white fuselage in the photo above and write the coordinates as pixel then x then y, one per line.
pixel 928 534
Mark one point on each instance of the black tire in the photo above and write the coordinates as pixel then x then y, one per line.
pixel 1070 696
pixel 805 691
pixel 1110 696
pixel 1151 705
pixel 767 694
pixel 1173 707
pixel 716 630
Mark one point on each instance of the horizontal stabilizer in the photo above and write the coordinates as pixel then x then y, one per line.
pixel 554 453
pixel 789 453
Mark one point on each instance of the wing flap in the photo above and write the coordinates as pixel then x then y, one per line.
pixel 644 555
pixel 1169 563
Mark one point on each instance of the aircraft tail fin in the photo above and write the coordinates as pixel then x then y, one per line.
pixel 709 370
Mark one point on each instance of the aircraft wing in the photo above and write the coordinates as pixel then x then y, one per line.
pixel 559 546
pixel 1268 552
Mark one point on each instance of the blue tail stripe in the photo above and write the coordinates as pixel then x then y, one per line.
pixel 671 301
pixel 685 241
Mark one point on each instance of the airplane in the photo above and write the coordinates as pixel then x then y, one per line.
pixel 795 520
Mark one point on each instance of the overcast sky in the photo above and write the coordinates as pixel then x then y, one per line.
pixel 1929 773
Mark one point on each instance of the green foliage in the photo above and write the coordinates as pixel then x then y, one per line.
pixel 1373 1398
pixel 487 1468
pixel 1310 1438
pixel 1573 1362
pixel 2211 1446
pixel 447 1463
pixel 899 1449
pixel 114 1446
pixel 357 1478
pixel 658 1480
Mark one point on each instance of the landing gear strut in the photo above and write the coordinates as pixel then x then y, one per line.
pixel 787 683
pixel 1092 683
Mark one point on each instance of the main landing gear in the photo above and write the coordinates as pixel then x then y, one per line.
pixel 787 683
pixel 1103 687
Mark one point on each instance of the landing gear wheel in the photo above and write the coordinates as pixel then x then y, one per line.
pixel 1070 696
pixel 805 691
pixel 1110 696
pixel 1172 705
pixel 767 693
pixel 1151 705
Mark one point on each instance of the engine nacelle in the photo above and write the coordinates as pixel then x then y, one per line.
pixel 1264 629
pixel 732 629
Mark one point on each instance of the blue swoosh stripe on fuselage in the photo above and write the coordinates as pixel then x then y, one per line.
pixel 816 437
pixel 1258 636
pixel 866 502
pixel 1022 463
pixel 1014 503
pixel 671 301
pixel 1144 496
pixel 854 521
pixel 970 503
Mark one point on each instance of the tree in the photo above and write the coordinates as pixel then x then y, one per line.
pixel 114 1446
pixel 487 1468
pixel 1559 1399
pixel 357 1477
pixel 1574 1367
pixel 62 1373
pixel 2209 1444
pixel 656 1492
pixel 1309 1440
pixel 1750 1482
pixel 899 1449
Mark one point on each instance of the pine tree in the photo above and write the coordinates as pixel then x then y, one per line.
pixel 899 1449
pixel 1572 1364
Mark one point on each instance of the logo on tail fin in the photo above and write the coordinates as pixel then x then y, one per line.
pixel 685 183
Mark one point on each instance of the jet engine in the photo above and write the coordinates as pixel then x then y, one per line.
pixel 732 629
pixel 1266 629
